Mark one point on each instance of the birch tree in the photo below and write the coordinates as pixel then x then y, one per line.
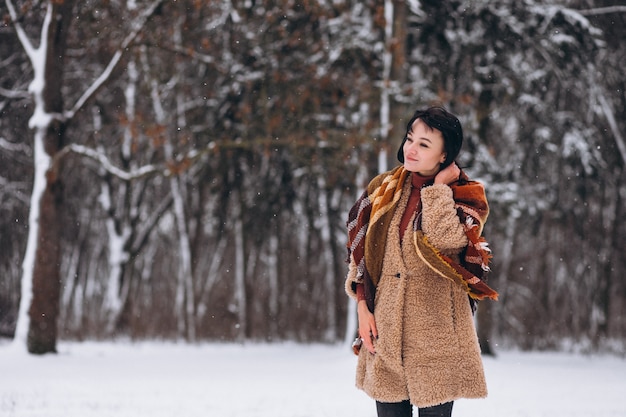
pixel 185 308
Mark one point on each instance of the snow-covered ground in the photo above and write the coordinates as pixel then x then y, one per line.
pixel 282 380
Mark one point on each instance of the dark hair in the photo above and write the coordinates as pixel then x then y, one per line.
pixel 445 122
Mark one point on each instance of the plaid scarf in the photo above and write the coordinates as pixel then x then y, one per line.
pixel 370 217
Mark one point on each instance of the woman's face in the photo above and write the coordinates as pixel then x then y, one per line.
pixel 423 149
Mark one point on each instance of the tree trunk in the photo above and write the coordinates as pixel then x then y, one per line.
pixel 44 308
pixel 485 312
pixel 392 111
pixel 484 319
pixel 240 297
pixel 177 182
pixel 273 283
pixel 327 260
pixel 49 138
pixel 184 288
pixel 400 112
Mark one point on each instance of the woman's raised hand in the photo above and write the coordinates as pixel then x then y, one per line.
pixel 448 175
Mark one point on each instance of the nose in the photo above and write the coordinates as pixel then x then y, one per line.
pixel 411 149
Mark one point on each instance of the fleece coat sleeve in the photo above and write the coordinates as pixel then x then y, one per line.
pixel 352 280
pixel 440 222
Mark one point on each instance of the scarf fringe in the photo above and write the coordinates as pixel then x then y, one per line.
pixel 443 266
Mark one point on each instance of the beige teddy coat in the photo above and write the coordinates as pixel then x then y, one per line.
pixel 427 349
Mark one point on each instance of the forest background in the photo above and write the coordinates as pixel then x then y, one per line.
pixel 183 169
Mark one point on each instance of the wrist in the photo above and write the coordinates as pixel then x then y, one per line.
pixel 360 292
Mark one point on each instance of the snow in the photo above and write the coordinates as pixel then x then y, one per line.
pixel 278 380
pixel 42 162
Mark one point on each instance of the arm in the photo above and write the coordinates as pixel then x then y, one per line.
pixel 440 222
pixel 367 323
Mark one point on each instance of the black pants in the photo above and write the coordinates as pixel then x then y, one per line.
pixel 405 409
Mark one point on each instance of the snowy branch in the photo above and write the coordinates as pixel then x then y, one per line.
pixel 610 117
pixel 37 56
pixel 603 10
pixel 21 33
pixel 14 189
pixel 181 163
pixel 147 225
pixel 14 147
pixel 108 166
pixel 106 74
pixel 167 170
pixel 13 94
pixel 191 53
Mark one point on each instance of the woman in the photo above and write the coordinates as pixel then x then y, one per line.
pixel 416 254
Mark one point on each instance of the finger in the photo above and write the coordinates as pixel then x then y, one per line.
pixel 373 335
pixel 374 330
pixel 367 342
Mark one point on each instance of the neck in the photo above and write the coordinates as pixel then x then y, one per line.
pixel 418 181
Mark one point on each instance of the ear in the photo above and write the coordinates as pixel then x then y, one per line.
pixel 443 158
